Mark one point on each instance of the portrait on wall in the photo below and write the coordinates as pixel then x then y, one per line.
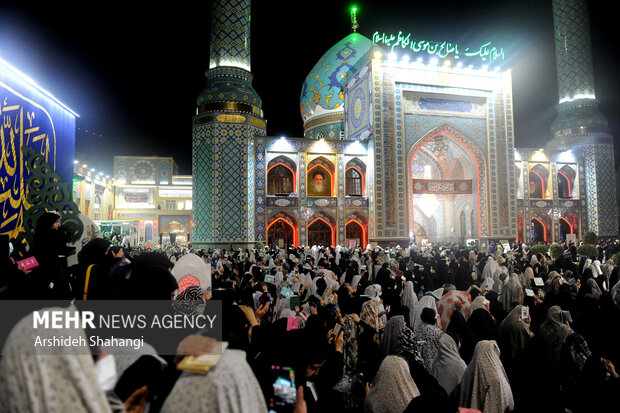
pixel 319 182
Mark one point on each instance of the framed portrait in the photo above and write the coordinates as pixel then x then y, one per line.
pixel 319 182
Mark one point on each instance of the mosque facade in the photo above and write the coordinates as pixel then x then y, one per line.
pixel 396 152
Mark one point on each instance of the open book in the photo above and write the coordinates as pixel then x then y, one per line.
pixel 204 363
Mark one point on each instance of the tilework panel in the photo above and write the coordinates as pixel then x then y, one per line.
pixel 340 189
pixel 573 48
pixel 358 106
pixel 601 189
pixel 260 190
pixel 323 85
pixel 224 191
pixel 230 34
pixel 202 191
pixel 303 210
pixel 282 202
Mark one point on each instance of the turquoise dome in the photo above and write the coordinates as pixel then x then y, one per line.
pixel 322 89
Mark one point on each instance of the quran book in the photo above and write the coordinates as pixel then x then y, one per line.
pixel 204 363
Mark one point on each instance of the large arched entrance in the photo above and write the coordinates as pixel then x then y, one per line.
pixel 447 186
pixel 282 230
pixel 174 232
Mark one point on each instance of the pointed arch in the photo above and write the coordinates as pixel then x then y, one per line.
pixel 359 220
pixel 324 218
pixel 479 168
pixel 566 181
pixel 542 224
pixel 280 170
pixel 538 173
pixel 287 219
pixel 465 209
pixel 355 177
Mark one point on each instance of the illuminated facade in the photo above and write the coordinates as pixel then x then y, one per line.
pixel 145 199
pixel 93 192
pixel 152 199
pixel 394 150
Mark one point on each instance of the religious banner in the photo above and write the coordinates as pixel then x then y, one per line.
pixel 135 198
pixel 436 186
pixel 33 121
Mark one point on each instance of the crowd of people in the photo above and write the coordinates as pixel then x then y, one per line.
pixel 439 328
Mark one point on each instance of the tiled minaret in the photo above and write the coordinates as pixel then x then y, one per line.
pixel 579 126
pixel 228 118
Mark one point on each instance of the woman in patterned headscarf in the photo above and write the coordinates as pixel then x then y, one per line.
pixel 389 339
pixel 512 293
pixel 408 347
pixel 479 302
pixel 428 333
pixel 481 323
pixel 52 379
pixel 485 385
pixel 410 300
pixel 374 292
pixel 230 387
pixel 451 301
pixel 393 387
pixel 513 334
pixel 448 367
pixel 553 332
pixel 370 316
pixel 427 301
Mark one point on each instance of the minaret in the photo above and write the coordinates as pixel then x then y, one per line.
pixel 228 117
pixel 579 126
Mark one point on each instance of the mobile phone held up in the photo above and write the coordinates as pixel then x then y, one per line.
pixel 337 329
pixel 284 390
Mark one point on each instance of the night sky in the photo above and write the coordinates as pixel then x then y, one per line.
pixel 133 73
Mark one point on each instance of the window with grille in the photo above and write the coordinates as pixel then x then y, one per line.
pixel 279 180
pixel 353 182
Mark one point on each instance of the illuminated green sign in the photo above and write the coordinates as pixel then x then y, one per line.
pixel 487 52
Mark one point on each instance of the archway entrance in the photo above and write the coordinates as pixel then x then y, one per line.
pixel 538 231
pixel 319 233
pixel 281 234
pixel 447 173
pixel 174 233
pixel 565 228
pixel 355 235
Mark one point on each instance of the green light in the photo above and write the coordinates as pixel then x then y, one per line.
pixel 354 24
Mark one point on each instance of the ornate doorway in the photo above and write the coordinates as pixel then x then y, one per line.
pixel 319 233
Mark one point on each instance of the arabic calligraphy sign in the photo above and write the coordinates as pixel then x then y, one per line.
pixel 435 186
pixel 486 52
pixel 29 117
